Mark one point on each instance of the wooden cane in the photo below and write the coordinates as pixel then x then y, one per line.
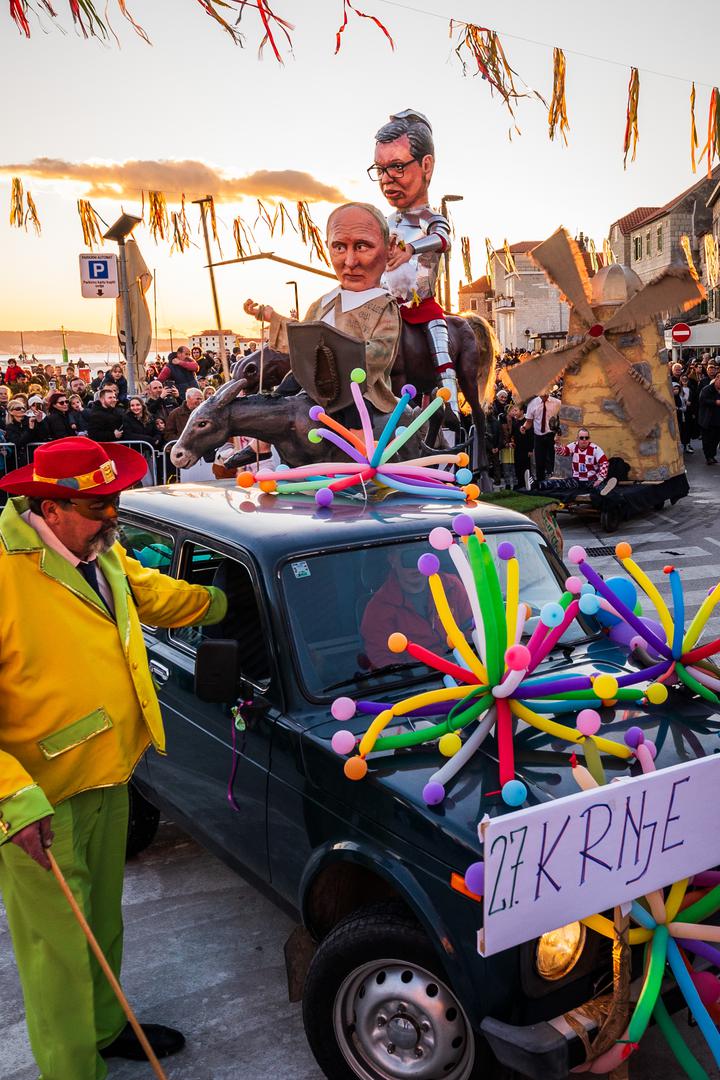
pixel 109 974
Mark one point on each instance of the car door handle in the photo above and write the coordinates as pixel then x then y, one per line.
pixel 161 673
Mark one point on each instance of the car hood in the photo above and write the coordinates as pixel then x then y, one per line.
pixel 683 728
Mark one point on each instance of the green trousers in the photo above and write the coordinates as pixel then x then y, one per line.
pixel 69 1006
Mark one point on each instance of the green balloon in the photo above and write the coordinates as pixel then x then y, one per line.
pixel 651 987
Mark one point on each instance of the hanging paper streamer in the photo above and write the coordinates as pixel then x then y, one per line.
pixel 467 261
pixel 310 233
pixel 158 215
pixel 348 6
pixel 90 222
pixel 282 218
pixel 213 221
pixel 31 215
pixel 371 462
pixel 713 142
pixel 271 23
pixel 263 215
pixel 592 252
pixel 180 229
pixel 711 261
pixel 557 114
pixel 685 245
pixel 17 208
pixel 510 266
pixel 486 51
pixel 631 120
pixel 243 236
pixel 693 131
pixel 490 265
pixel 608 253
pixel 83 12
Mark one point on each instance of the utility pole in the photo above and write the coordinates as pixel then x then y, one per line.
pixel 203 204
pixel 446 254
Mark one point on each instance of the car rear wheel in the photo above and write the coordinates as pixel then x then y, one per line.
pixel 143 823
pixel 377 1005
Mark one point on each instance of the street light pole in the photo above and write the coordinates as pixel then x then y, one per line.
pixel 297 302
pixel 203 204
pixel 446 254
pixel 119 232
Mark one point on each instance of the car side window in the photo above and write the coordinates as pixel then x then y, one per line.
pixel 151 548
pixel 243 622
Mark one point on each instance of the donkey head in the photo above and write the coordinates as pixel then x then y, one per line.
pixel 208 426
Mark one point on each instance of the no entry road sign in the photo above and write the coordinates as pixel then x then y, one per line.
pixel 681 333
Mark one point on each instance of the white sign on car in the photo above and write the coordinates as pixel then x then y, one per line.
pixel 552 864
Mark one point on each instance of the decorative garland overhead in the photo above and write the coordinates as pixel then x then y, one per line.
pixel 557 113
pixel 631 121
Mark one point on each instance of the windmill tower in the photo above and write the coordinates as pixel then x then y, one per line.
pixel 614 382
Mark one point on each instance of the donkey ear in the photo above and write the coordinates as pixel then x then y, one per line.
pixel 227 393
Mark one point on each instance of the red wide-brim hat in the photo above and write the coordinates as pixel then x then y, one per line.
pixel 76 468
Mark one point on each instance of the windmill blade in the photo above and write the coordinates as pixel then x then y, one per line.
pixel 675 289
pixel 537 374
pixel 561 259
pixel 633 393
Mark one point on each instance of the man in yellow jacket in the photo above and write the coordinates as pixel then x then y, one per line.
pixel 72 596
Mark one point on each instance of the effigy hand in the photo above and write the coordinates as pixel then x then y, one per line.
pixel 399 253
pixel 262 312
pixel 34 840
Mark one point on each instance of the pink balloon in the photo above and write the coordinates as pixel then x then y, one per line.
pixel 343 742
pixel 707 986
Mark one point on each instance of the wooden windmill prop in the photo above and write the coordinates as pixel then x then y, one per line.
pixel 674 289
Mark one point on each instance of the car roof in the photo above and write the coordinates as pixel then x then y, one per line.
pixel 280 524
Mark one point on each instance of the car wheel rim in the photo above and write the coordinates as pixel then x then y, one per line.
pixel 398 1021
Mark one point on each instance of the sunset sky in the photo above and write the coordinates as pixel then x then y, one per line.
pixel 243 125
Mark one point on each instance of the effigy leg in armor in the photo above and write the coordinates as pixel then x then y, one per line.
pixel 439 341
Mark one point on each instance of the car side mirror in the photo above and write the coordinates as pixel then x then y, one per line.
pixel 217 670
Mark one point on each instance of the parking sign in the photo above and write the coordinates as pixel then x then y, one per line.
pixel 99 276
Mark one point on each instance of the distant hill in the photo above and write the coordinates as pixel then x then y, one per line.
pixel 79 342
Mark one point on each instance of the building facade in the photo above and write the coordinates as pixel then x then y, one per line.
pixel 477 297
pixel 528 311
pixel 209 340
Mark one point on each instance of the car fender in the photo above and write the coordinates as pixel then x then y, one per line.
pixel 396 873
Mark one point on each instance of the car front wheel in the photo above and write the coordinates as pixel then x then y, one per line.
pixel 377 1006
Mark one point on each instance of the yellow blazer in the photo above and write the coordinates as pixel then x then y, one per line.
pixel 377 323
pixel 78 706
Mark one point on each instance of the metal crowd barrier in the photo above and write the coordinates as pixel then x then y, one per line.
pixel 8 457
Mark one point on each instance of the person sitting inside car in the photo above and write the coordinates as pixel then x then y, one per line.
pixel 403 604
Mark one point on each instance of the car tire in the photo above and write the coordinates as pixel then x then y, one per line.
pixel 376 1001
pixel 143 822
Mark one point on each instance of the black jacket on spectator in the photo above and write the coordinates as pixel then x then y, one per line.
pixel 121 384
pixel 160 408
pixel 20 435
pixel 77 417
pixel 709 416
pixel 60 425
pixel 134 430
pixel 101 423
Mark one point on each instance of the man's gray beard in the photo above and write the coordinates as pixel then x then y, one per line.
pixel 102 543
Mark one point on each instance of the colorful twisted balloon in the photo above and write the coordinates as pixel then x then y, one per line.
pixel 669 927
pixel 371 460
pixel 492 678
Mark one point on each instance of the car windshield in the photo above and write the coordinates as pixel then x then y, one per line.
pixel 342 606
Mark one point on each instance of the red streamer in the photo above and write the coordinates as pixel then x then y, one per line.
pixel 361 14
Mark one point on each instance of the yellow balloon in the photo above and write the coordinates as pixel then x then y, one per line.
pixel 449 744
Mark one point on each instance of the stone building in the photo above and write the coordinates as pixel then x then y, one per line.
pixel 477 297
pixel 210 340
pixel 527 310
pixel 648 239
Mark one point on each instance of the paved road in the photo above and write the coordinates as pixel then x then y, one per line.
pixel 204 950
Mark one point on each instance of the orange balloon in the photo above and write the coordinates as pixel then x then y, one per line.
pixel 472 491
pixel 355 768
pixel 397 643
pixel 623 550
pixel 268 485
pixel 444 393
pixel 245 480
pixel 463 459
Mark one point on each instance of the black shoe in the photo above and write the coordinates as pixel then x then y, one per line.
pixel 164 1041
pixel 689 450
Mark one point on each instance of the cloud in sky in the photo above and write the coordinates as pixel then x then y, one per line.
pixel 126 179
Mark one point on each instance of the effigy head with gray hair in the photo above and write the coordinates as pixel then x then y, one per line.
pixel 417 128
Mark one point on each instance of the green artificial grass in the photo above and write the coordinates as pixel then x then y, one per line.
pixel 515 500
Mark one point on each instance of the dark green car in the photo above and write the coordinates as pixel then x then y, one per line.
pixel 386 961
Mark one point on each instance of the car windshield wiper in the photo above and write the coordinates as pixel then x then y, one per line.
pixel 386 669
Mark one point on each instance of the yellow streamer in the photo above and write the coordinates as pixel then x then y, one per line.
pixel 693 131
pixel 17 213
pixel 712 262
pixel 451 628
pixel 651 591
pixel 557 114
pixel 685 245
pixel 631 120
pixel 702 615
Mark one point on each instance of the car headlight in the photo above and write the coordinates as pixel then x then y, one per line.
pixel 559 951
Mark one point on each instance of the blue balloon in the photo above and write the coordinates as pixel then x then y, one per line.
pixel 589 604
pixel 514 793
pixel 626 592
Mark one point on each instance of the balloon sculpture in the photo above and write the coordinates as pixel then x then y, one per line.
pixel 371 460
pixel 493 677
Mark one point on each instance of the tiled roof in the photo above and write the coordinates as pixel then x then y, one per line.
pixel 480 285
pixel 634 218
pixel 524 246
